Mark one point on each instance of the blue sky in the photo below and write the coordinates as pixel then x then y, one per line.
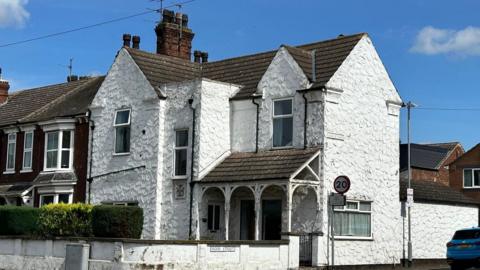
pixel 430 48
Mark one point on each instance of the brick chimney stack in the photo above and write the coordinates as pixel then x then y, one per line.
pixel 174 38
pixel 4 86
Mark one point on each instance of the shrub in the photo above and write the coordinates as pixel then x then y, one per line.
pixel 117 221
pixel 65 220
pixel 17 220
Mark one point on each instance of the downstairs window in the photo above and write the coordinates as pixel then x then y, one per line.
pixel 353 220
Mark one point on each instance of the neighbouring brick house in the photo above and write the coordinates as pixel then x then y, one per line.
pixel 44 142
pixel 465 173
pixel 430 162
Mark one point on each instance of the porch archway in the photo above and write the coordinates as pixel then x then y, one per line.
pixel 211 213
pixel 273 214
pixel 305 210
pixel 242 213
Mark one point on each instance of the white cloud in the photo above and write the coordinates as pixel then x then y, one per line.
pixel 431 40
pixel 13 13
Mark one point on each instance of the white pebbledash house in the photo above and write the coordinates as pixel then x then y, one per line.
pixel 247 148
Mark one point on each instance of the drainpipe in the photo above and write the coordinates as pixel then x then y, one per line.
pixel 90 179
pixel 192 183
pixel 256 128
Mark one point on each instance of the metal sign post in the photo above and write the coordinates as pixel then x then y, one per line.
pixel 341 186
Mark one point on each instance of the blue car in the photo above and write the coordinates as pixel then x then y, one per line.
pixel 463 251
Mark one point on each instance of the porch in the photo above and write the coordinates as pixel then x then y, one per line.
pixel 259 196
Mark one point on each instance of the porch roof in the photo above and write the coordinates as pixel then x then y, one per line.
pixel 14 189
pixel 263 165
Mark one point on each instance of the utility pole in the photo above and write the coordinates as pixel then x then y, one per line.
pixel 409 106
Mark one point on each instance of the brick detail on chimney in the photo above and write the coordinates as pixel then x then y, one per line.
pixel 4 86
pixel 174 38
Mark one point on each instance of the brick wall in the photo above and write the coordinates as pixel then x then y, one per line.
pixel 471 159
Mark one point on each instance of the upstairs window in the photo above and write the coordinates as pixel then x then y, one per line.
pixel 59 150
pixel 282 123
pixel 353 220
pixel 122 131
pixel 471 178
pixel 181 147
pixel 11 147
pixel 27 150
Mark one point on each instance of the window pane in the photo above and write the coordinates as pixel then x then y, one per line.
pixel 122 117
pixel 365 206
pixel 65 159
pixel 66 139
pixel 52 159
pixel 210 217
pixel 47 200
pixel 28 140
pixel 217 218
pixel 11 156
pixel 352 224
pixel 63 198
pixel 181 162
pixel 476 177
pixel 181 138
pixel 282 132
pixel 52 140
pixel 122 143
pixel 282 107
pixel 352 205
pixel 467 178
pixel 27 159
pixel 12 137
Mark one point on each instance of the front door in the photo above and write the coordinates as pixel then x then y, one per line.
pixel 247 220
pixel 271 219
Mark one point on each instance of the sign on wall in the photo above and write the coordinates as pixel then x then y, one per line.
pixel 222 249
pixel 341 184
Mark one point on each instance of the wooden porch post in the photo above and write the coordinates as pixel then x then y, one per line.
pixel 258 199
pixel 289 207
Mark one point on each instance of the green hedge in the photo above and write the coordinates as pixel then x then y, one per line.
pixel 17 220
pixel 117 221
pixel 66 220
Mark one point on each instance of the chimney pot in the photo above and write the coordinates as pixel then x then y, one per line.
pixel 197 56
pixel 185 20
pixel 136 42
pixel 72 78
pixel 4 86
pixel 168 16
pixel 179 18
pixel 204 57
pixel 126 40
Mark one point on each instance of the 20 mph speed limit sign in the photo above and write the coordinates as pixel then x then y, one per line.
pixel 341 184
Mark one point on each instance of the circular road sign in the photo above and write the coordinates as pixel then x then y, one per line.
pixel 341 184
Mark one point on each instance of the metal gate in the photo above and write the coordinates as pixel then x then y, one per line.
pixel 306 250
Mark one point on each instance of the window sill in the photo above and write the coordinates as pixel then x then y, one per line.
pixel 120 154
pixel 26 171
pixel 55 170
pixel 467 188
pixel 282 147
pixel 180 177
pixel 353 238
pixel 9 172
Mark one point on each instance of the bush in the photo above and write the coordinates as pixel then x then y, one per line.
pixel 65 220
pixel 17 220
pixel 117 221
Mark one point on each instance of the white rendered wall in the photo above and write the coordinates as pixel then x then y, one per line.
pixel 126 87
pixel 361 141
pixel 433 225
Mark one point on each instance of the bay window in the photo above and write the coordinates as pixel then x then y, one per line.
pixel 353 220
pixel 27 150
pixel 282 122
pixel 471 178
pixel 56 198
pixel 181 149
pixel 11 149
pixel 59 150
pixel 122 131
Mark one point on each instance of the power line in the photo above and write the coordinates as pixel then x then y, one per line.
pixel 446 109
pixel 91 26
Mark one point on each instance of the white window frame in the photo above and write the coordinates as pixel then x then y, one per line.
pixel 59 150
pixel 175 148
pixel 9 144
pixel 214 205
pixel 344 209
pixel 55 197
pixel 115 126
pixel 280 117
pixel 25 150
pixel 473 178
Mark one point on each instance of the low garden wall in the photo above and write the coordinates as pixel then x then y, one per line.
pixel 24 253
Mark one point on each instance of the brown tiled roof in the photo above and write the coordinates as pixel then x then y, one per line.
pixel 247 70
pixel 429 191
pixel 264 165
pixel 21 106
